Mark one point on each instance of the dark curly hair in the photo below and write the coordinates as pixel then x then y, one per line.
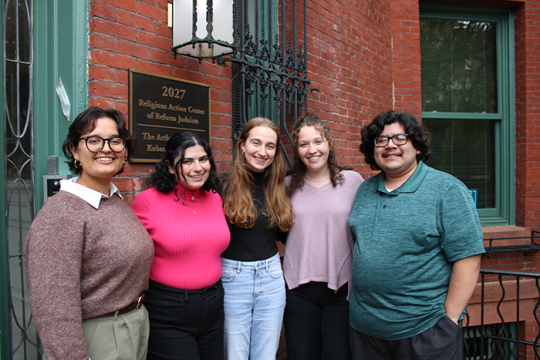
pixel 85 123
pixel 418 135
pixel 299 169
pixel 164 181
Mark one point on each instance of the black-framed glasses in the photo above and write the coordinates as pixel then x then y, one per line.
pixel 398 139
pixel 96 143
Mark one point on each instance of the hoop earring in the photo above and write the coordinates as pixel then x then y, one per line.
pixel 77 164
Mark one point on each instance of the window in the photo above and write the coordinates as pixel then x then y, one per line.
pixel 494 340
pixel 468 102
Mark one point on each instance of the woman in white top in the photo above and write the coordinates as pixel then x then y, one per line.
pixel 318 250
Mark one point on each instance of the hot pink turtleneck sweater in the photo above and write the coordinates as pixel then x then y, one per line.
pixel 188 239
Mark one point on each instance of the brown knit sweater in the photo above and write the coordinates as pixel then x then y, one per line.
pixel 82 263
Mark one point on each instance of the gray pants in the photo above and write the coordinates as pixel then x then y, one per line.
pixel 122 337
pixel 444 341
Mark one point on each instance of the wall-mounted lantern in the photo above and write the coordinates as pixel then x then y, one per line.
pixel 203 28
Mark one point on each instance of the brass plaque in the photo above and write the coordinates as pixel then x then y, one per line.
pixel 160 106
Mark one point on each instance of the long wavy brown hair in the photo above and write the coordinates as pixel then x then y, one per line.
pixel 299 169
pixel 236 187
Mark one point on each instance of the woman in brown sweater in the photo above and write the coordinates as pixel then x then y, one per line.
pixel 87 255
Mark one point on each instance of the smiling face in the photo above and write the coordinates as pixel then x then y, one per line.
pixel 97 169
pixel 313 149
pixel 195 168
pixel 260 147
pixel 396 161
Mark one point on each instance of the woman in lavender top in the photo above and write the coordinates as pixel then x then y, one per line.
pixel 318 250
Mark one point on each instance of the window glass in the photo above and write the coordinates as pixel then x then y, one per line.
pixel 465 149
pixel 468 101
pixel 458 66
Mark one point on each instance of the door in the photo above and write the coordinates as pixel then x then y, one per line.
pixel 57 30
pixel 18 171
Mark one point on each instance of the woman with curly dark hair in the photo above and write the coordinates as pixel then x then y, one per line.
pixel 318 250
pixel 87 256
pixel 184 216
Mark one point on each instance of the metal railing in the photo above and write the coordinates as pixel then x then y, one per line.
pixel 526 244
pixel 516 336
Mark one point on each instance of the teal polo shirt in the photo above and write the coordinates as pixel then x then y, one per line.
pixel 406 243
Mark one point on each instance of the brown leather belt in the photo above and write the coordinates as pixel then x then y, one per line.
pixel 133 306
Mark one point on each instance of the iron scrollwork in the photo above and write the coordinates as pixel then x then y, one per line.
pixel 271 77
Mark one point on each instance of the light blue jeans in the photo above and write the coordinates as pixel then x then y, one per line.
pixel 254 304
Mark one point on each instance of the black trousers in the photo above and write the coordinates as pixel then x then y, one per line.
pixel 185 324
pixel 317 323
pixel 444 341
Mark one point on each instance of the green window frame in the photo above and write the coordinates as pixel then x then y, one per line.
pixel 503 211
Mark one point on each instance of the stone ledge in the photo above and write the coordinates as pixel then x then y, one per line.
pixel 505 232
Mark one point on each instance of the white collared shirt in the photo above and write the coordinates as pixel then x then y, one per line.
pixel 92 197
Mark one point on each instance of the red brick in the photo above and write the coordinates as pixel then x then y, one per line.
pixel 102 42
pixel 112 59
pixel 122 106
pixel 102 103
pixel 103 11
pixel 156 41
pixel 153 12
pixel 189 75
pixel 136 21
pixel 163 3
pixel 218 83
pixel 122 76
pixel 159 56
pixel 102 73
pixel 222 156
pixel 130 5
pixel 114 91
pixel 154 68
pixel 107 27
pixel 223 132
pixel 133 49
pixel 177 62
pixel 164 30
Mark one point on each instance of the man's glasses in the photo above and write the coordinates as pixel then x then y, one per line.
pixel 398 139
pixel 96 143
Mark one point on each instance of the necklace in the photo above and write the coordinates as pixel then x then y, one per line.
pixel 194 210
pixel 311 180
pixel 193 199
pixel 193 195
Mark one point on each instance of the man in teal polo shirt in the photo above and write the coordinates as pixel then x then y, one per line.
pixel 417 252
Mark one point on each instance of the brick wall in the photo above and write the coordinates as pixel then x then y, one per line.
pixel 133 34
pixel 406 57
pixel 527 52
pixel 350 63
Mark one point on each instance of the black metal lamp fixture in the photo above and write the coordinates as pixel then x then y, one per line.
pixel 198 33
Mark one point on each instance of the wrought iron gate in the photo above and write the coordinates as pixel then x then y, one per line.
pixel 19 169
pixel 270 64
